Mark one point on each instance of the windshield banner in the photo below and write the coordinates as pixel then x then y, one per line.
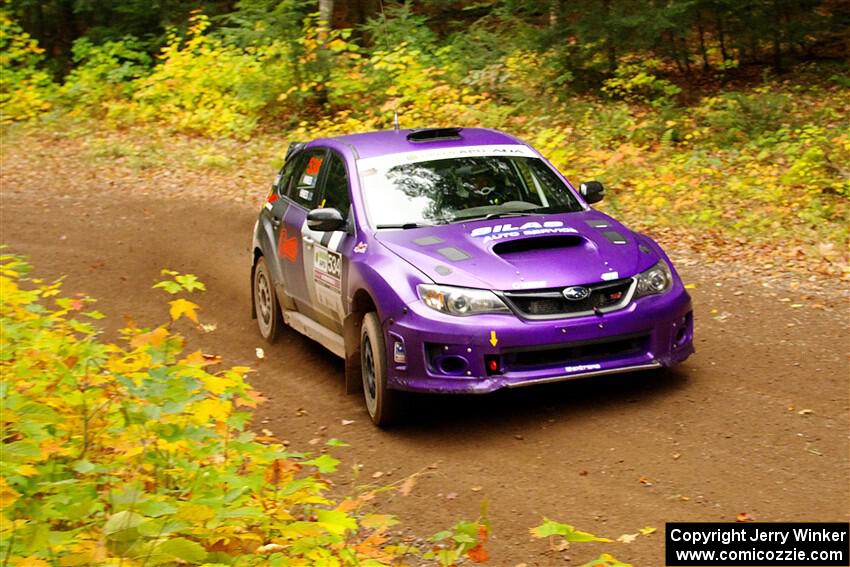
pixel 392 160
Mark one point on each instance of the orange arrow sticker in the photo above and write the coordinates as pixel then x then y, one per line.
pixel 287 246
pixel 493 339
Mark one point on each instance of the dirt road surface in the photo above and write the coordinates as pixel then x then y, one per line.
pixel 755 422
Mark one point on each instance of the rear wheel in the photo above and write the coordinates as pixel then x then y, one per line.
pixel 381 402
pixel 269 318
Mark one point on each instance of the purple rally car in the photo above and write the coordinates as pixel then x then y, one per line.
pixel 458 260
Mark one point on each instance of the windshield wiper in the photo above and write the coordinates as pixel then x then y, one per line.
pixel 489 216
pixel 404 226
pixel 508 214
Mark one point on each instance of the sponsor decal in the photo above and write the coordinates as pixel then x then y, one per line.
pixel 582 367
pixel 361 248
pixel 532 228
pixel 529 285
pixel 610 276
pixel 287 246
pixel 387 161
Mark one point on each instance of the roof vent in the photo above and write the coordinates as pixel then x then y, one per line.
pixel 434 134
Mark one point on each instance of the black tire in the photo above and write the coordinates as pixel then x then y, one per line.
pixel 381 402
pixel 266 306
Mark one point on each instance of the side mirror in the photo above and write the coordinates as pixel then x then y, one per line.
pixel 592 191
pixel 325 220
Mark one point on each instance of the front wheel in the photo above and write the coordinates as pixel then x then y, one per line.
pixel 381 402
pixel 269 318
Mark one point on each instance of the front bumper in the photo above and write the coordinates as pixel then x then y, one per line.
pixel 432 352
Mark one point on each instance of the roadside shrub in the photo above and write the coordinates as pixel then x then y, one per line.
pixel 141 454
pixel 26 89
pixel 636 80
pixel 205 86
pixel 364 95
pixel 104 72
pixel 736 117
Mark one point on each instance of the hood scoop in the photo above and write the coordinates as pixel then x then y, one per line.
pixel 518 246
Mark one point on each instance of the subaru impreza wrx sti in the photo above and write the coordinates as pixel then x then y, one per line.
pixel 458 261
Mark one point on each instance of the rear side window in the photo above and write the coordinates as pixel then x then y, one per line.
pixel 302 186
pixel 336 186
pixel 284 178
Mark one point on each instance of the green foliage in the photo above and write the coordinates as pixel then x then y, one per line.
pixel 25 88
pixel 737 116
pixel 464 540
pixel 636 81
pixel 104 72
pixel 552 528
pixel 567 533
pixel 263 22
pixel 401 25
pixel 183 93
pixel 759 163
pixel 140 454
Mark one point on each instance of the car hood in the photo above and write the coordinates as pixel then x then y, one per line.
pixel 529 252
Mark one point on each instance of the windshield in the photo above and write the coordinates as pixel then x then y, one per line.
pixel 466 187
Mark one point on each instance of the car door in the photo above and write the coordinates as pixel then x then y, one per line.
pixel 327 259
pixel 271 221
pixel 296 252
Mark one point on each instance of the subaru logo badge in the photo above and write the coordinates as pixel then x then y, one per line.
pixel 576 293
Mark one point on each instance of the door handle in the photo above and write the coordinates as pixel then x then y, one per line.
pixel 275 222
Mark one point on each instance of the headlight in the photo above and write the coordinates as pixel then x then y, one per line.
pixel 657 279
pixel 460 300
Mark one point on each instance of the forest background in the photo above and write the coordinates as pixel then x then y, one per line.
pixel 718 126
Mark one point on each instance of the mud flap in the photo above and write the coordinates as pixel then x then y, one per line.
pixel 351 336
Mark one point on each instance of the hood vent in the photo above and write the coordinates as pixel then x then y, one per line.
pixel 522 245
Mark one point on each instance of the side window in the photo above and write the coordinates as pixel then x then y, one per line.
pixel 335 193
pixel 285 175
pixel 302 187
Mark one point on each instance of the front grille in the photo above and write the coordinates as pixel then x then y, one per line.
pixel 551 303
pixel 576 352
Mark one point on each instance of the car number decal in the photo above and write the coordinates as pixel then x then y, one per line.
pixel 314 165
pixel 327 269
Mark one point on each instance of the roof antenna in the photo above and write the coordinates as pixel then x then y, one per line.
pixel 387 44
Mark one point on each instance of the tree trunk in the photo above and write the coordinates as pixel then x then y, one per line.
pixel 686 54
pixel 610 48
pixel 721 38
pixel 702 48
pixel 674 48
pixel 326 12
pixel 777 38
